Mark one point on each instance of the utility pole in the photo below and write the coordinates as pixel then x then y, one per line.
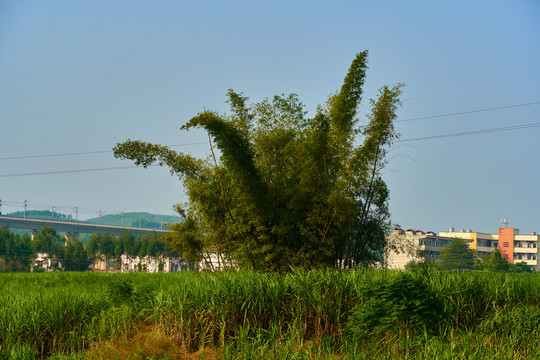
pixel 25 206
pixel 0 207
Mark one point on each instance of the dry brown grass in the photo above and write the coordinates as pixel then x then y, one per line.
pixel 146 342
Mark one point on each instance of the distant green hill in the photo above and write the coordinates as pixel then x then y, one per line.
pixel 136 219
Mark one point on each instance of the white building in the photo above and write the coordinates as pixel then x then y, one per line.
pixel 214 261
pixel 46 262
pixel 407 245
pixel 102 264
pixel 152 264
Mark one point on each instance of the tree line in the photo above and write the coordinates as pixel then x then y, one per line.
pixel 42 214
pixel 18 252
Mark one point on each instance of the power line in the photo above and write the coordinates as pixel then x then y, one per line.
pixel 53 155
pixel 469 112
pixel 465 133
pixel 474 132
pixel 79 153
pixel 70 171
pixel 200 143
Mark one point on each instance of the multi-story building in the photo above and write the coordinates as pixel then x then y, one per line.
pixel 46 262
pixel 128 263
pixel 212 260
pixel 152 264
pixel 513 246
pixel 406 245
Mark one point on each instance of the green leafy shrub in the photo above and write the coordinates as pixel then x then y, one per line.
pixel 403 302
pixel 423 266
pixel 120 291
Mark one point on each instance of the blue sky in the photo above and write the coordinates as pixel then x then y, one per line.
pixel 80 76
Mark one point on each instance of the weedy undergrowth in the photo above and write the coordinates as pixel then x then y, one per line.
pixel 337 314
pixel 404 302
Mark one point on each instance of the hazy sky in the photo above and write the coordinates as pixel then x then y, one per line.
pixel 80 76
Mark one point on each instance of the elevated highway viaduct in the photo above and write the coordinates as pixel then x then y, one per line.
pixel 70 227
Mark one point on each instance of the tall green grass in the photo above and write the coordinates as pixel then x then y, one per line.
pixel 370 314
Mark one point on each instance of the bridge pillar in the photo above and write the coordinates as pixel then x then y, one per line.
pixel 70 236
pixel 33 233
